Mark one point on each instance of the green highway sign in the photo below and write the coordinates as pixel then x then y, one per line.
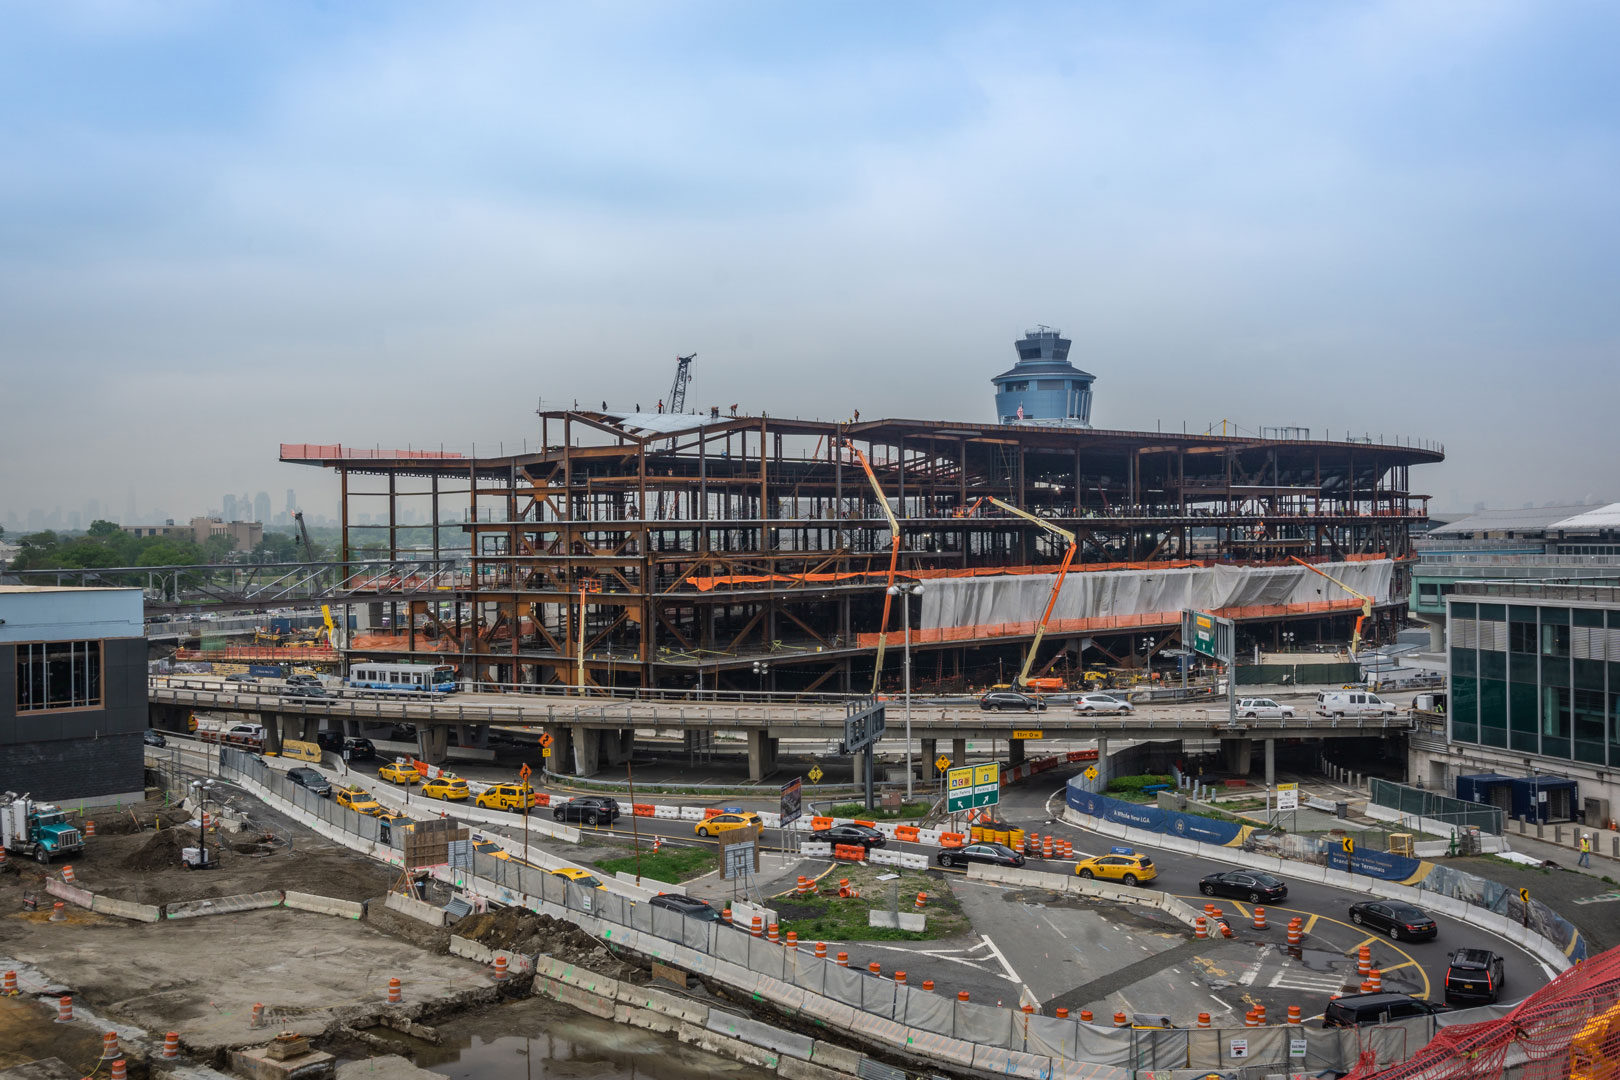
pixel 968 786
pixel 1206 634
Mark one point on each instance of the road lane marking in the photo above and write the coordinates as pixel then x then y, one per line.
pixel 1242 911
pixel 1397 967
pixel 1309 923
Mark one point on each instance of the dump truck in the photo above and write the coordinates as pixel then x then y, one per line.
pixel 37 829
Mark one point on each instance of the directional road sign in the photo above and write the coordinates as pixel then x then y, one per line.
pixel 967 786
pixel 815 774
pixel 1091 772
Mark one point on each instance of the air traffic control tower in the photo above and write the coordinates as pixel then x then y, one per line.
pixel 1043 387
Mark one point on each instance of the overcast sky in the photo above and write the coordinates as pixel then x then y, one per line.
pixel 227 225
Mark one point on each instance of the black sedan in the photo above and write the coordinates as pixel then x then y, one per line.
pixel 152 738
pixel 1250 885
pixel 689 906
pixel 997 700
pixel 591 809
pixel 850 835
pixel 1396 919
pixel 994 854
pixel 1474 977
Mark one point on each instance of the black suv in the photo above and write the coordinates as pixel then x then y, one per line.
pixel 1474 977
pixel 303 680
pixel 850 835
pixel 329 740
pixel 358 749
pixel 304 690
pixel 311 781
pixel 591 809
pixel 1357 1009
pixel 996 700
pixel 686 905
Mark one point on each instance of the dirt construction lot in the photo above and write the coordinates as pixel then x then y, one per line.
pixel 202 976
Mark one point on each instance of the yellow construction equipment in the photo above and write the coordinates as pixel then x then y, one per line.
pixel 894 559
pixel 1366 603
pixel 1057 586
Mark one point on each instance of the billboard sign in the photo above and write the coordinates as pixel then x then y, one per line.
pixel 792 801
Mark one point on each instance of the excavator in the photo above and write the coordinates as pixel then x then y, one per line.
pixel 1366 603
pixel 1024 681
pixel 894 559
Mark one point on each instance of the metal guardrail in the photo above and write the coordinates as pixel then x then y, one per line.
pixel 821 721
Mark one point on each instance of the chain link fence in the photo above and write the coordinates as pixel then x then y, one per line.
pixel 1442 808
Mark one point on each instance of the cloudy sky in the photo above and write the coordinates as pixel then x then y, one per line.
pixel 227 225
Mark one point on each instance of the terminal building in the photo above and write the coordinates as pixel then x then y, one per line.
pixel 1534 700
pixel 700 551
pixel 72 694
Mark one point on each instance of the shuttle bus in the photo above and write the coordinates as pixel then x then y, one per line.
pixel 410 678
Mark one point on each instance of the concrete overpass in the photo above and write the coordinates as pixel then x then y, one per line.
pixel 589 734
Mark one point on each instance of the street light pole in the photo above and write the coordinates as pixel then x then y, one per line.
pixel 905 592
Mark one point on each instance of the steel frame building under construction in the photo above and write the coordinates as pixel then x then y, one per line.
pixel 739 553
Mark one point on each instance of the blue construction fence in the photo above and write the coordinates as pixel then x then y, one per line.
pixel 1327 851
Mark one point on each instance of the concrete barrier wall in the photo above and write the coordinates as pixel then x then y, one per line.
pixel 324 905
pixel 124 909
pixel 471 950
pixel 73 895
pixel 223 905
pixel 415 909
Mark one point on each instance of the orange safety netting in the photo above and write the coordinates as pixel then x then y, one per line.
pixel 270 654
pixel 704 584
pixel 1146 620
pixel 327 451
pixel 1567 1030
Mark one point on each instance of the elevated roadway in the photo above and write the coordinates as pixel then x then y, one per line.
pixel 592 733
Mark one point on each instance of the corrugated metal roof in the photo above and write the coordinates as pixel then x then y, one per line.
pixel 1524 519
pixel 1604 517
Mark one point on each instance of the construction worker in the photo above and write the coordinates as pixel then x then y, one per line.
pixel 1586 850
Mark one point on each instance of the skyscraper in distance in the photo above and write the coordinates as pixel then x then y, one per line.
pixel 227 509
pixel 261 506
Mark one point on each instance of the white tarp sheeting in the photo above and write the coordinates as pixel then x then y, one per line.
pixel 950 602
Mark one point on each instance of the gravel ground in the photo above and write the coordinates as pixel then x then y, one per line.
pixel 1558 889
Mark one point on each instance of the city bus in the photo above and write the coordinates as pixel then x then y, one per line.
pixel 411 678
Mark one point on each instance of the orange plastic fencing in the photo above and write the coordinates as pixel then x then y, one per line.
pixel 260 654
pixel 1570 1028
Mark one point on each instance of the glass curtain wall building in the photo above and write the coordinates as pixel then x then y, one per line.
pixel 1535 669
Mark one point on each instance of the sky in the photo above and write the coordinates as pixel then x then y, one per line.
pixel 224 225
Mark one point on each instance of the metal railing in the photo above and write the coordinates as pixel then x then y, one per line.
pixel 1417 802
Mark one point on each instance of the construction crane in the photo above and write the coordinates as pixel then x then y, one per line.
pixel 1366 603
pixel 303 534
pixel 1057 586
pixel 677 390
pixel 894 559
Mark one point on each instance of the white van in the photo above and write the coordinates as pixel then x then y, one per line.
pixel 1340 703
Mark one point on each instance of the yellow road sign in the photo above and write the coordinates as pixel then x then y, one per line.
pixel 1524 894
pixel 816 774
pixel 942 763
pixel 1028 734
pixel 1349 846
pixel 1091 772
pixel 545 752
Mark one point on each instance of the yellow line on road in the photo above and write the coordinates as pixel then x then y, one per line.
pixel 1397 967
pixel 1357 947
pixel 1310 922
pixel 1242 911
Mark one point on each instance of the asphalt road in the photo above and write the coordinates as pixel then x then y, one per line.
pixel 1041 946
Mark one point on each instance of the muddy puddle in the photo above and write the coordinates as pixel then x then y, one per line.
pixel 535 1039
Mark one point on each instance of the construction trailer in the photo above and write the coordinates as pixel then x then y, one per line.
pixel 697 551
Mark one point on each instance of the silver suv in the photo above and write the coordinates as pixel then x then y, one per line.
pixel 1261 708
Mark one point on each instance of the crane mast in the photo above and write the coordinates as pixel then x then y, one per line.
pixel 894 559
pixel 1366 603
pixel 1057 585
pixel 677 390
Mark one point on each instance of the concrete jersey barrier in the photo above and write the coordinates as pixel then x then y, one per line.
pixel 124 909
pixel 223 905
pixel 324 905
pixel 415 909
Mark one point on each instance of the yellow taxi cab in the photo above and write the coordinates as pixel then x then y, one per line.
pixel 446 787
pixel 580 876
pixel 491 848
pixel 726 822
pixel 359 800
pixel 507 797
pixel 399 773
pixel 1128 868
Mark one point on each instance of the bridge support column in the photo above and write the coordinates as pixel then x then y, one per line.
pixel 562 748
pixel 1102 764
pixel 1271 764
pixel 616 746
pixel 272 731
pixel 433 743
pixel 473 735
pixel 587 751
pixel 1239 755
pixel 930 751
pixel 1015 752
pixel 761 755
pixel 958 751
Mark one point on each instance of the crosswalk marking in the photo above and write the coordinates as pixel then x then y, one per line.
pixel 1305 980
